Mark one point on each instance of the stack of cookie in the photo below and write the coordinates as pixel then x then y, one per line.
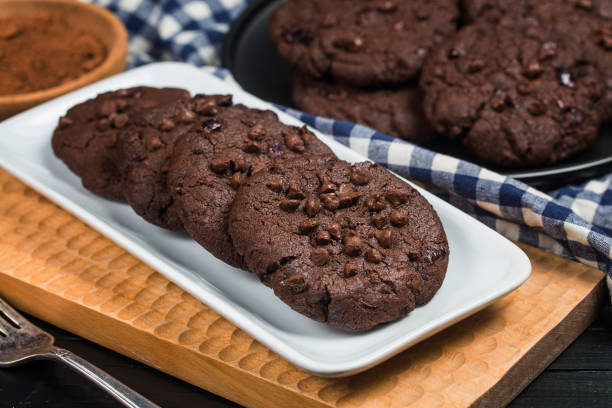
pixel 519 83
pixel 349 245
pixel 359 60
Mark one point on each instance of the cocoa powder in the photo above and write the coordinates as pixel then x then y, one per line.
pixel 42 51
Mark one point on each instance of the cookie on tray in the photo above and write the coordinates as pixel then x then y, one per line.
pixel 145 150
pixel 209 164
pixel 86 138
pixel 517 93
pixel 395 111
pixel 361 42
pixel 349 245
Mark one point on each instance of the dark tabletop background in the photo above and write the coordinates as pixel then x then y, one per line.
pixel 580 377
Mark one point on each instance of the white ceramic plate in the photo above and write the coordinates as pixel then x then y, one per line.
pixel 483 265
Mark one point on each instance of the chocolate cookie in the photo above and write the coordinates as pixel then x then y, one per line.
pixel 517 93
pixel 361 42
pixel 86 137
pixel 145 151
pixel 209 164
pixel 349 245
pixel 588 22
pixel 396 112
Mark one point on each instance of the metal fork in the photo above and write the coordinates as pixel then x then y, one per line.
pixel 21 341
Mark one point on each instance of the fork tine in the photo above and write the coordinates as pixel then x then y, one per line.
pixel 11 315
pixel 2 331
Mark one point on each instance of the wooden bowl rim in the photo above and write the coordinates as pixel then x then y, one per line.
pixel 115 54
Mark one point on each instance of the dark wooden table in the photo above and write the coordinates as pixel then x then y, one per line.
pixel 580 377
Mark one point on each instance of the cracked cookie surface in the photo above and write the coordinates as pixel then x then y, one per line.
pixel 518 93
pixel 395 112
pixel 210 163
pixel 87 136
pixel 361 42
pixel 349 245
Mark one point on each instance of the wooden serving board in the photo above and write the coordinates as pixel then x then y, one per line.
pixel 57 268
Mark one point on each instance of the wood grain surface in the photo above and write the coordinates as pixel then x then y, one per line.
pixel 57 268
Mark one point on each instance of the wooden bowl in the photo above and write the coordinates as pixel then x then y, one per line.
pixel 96 20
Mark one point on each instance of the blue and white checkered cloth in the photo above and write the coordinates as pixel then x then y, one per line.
pixel 575 222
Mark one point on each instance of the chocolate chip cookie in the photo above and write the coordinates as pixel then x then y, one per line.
pixel 394 111
pixel 349 245
pixel 361 42
pixel 588 22
pixel 209 164
pixel 518 93
pixel 86 137
pixel 145 150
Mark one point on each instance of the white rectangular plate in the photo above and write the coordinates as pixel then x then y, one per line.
pixel 483 265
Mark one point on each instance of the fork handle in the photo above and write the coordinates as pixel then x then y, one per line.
pixel 121 392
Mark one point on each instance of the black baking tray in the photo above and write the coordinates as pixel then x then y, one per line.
pixel 255 64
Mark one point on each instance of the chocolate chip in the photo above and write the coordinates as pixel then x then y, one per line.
pixel 498 104
pixel 220 164
pixel 239 164
pixel 398 218
pixel 330 201
pixel 319 256
pixel 64 122
pixel 294 142
pixel 326 185
pixel 375 202
pixel 335 230
pixel 107 107
pixel 312 207
pixel 118 120
pixel 386 6
pixel 294 192
pixel 323 238
pixel 584 4
pixel 153 144
pixel 236 180
pixel 379 220
pixel 206 107
pixel 385 238
pixel 350 270
pixel 548 50
pixel 360 177
pixel 352 245
pixel 298 34
pixel 166 125
pixel 533 70
pixel 211 125
pixel 257 132
pixel 535 108
pixel 396 197
pixel 510 98
pixel 251 147
pixel 296 283
pixel 373 255
pixel 524 88
pixel 290 205
pixel 121 105
pixel 308 226
pixel 186 116
pixel 352 44
pixel 476 65
pixel 348 198
pixel 275 184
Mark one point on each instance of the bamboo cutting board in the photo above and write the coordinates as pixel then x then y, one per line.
pixel 56 268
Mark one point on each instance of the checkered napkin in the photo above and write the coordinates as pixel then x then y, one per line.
pixel 575 222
